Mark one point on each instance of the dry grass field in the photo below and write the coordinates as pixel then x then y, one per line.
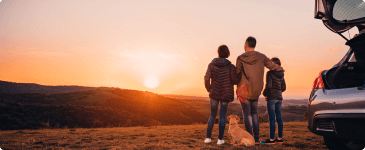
pixel 296 137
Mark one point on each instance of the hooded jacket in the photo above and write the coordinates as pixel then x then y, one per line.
pixel 275 85
pixel 220 78
pixel 252 65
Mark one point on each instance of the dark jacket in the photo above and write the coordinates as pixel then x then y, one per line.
pixel 220 78
pixel 253 63
pixel 275 85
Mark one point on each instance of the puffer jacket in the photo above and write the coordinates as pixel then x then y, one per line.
pixel 220 78
pixel 275 85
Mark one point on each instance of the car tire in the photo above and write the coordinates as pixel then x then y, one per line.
pixel 334 143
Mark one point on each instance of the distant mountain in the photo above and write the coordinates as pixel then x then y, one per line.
pixel 12 87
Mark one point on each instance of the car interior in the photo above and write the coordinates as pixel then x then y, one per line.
pixel 350 72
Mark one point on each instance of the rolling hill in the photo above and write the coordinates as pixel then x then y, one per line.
pixel 100 107
pixel 12 87
pixel 89 107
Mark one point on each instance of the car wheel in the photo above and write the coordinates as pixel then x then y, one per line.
pixel 334 143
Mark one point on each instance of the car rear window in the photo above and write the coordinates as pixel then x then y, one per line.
pixel 349 10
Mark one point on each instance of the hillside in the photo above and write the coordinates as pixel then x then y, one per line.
pixel 12 87
pixel 110 107
pixel 100 107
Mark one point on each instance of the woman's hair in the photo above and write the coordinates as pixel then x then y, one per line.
pixel 276 60
pixel 223 51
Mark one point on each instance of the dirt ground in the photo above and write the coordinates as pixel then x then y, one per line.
pixel 296 137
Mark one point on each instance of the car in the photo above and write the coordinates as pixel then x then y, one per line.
pixel 336 105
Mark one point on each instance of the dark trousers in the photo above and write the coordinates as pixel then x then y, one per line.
pixel 251 118
pixel 213 114
pixel 274 108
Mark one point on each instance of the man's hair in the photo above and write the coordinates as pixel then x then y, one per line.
pixel 276 60
pixel 223 51
pixel 251 42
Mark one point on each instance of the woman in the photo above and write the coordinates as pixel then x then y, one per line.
pixel 275 85
pixel 219 80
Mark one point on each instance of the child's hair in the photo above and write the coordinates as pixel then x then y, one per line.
pixel 276 60
pixel 223 51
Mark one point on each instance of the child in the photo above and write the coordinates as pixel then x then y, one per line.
pixel 275 85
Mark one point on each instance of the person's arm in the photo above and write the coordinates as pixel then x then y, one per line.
pixel 271 65
pixel 268 81
pixel 238 65
pixel 235 78
pixel 283 85
pixel 268 85
pixel 207 79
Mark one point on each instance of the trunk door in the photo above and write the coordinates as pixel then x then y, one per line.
pixel 341 15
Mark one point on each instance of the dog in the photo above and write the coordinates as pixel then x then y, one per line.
pixel 238 135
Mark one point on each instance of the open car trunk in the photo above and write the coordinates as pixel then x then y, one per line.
pixel 350 71
pixel 340 16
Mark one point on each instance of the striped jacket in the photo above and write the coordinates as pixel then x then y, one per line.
pixel 220 78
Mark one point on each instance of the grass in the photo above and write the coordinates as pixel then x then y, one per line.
pixel 296 137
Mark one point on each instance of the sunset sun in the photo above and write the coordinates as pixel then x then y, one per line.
pixel 151 82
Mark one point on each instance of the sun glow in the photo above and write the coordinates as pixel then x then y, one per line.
pixel 151 82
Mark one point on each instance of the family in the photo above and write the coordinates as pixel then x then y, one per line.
pixel 248 75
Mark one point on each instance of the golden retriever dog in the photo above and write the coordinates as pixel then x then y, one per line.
pixel 238 135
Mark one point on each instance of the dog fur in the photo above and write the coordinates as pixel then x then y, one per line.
pixel 238 135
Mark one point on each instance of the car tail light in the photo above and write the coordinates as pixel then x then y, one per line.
pixel 318 82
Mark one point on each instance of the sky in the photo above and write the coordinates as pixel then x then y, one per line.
pixel 161 46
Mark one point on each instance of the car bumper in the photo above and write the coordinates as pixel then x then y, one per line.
pixel 350 126
pixel 337 113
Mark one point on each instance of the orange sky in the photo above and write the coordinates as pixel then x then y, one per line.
pixel 122 43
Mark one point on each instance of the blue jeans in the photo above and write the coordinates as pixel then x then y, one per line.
pixel 274 108
pixel 251 118
pixel 213 114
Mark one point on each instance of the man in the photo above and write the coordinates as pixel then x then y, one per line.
pixel 251 64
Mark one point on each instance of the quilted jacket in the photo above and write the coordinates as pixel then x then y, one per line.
pixel 220 78
pixel 275 85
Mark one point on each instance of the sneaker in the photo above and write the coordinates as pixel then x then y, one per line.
pixel 279 141
pixel 220 142
pixel 268 141
pixel 257 141
pixel 207 140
